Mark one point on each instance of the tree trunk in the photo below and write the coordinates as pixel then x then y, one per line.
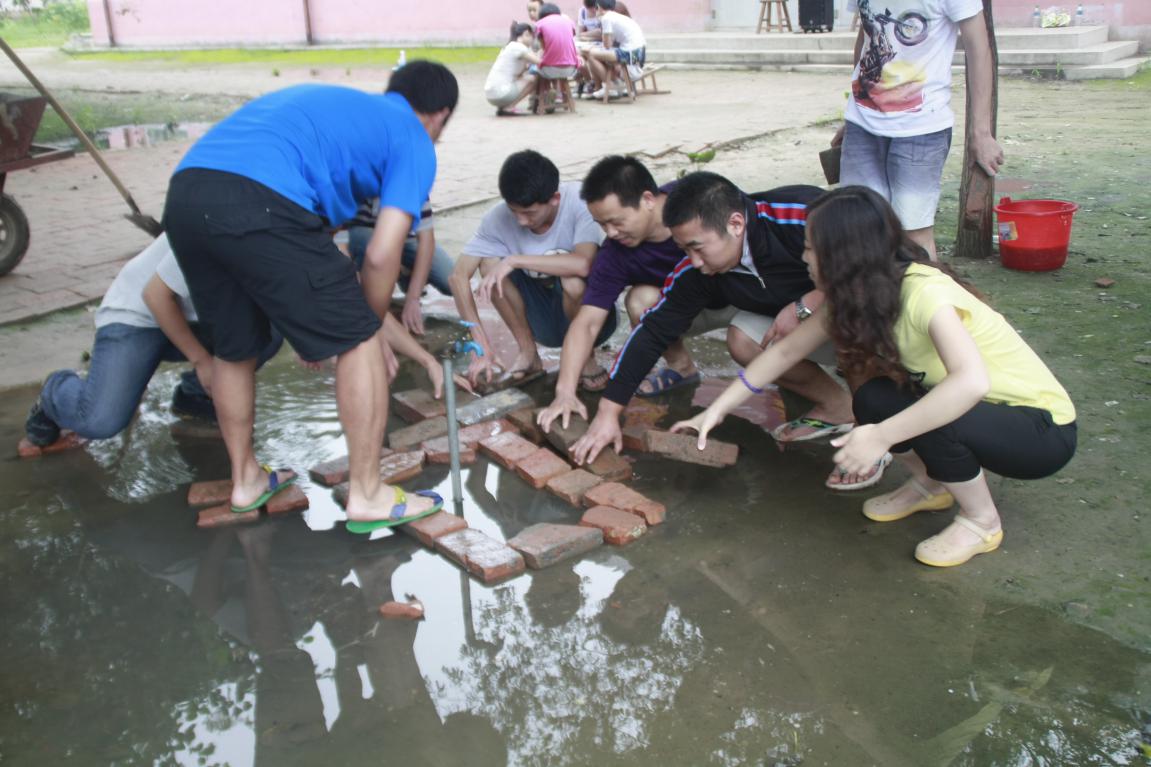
pixel 977 189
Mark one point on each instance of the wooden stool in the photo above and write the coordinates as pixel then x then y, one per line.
pixel 645 83
pixel 548 89
pixel 783 22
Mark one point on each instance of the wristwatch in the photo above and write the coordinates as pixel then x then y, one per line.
pixel 801 310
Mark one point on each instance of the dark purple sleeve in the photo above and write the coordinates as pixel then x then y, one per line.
pixel 686 293
pixel 607 279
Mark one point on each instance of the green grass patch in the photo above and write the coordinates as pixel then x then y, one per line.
pixel 317 57
pixel 1140 81
pixel 94 111
pixel 50 26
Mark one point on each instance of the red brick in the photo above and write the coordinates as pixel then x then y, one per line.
pixel 417 405
pixel 507 449
pixel 439 451
pixel 469 436
pixel 333 472
pixel 653 512
pixel 493 406
pixel 495 564
pixel 619 527
pixel 68 441
pixel 610 466
pixel 400 467
pixel 394 469
pixel 202 494
pixel 484 557
pixel 624 498
pixel 525 421
pixel 633 438
pixel 643 412
pixel 411 611
pixel 409 437
pixel 572 486
pixel 544 544
pixel 223 516
pixel 682 447
pixel 541 466
pixel 287 501
pixel 562 439
pixel 429 528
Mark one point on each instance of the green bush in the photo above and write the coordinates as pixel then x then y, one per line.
pixel 48 26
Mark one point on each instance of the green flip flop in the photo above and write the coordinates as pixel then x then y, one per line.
pixel 275 485
pixel 397 517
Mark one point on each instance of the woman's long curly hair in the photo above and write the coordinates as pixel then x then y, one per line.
pixel 862 251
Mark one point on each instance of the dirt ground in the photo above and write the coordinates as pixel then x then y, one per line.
pixel 1077 544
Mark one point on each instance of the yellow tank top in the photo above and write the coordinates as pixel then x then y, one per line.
pixel 1018 376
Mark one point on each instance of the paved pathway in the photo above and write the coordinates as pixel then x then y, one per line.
pixel 80 238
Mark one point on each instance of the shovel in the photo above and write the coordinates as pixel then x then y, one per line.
pixel 140 219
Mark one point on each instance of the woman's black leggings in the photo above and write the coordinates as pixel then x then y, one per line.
pixel 1010 440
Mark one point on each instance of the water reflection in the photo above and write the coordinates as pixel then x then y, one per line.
pixel 752 628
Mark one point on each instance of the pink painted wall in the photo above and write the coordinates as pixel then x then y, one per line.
pixel 271 22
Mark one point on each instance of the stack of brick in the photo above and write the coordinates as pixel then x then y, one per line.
pixel 68 441
pixel 212 501
pixel 483 557
pixel 394 468
pixel 439 451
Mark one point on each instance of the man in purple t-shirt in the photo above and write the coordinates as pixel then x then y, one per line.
pixel 638 256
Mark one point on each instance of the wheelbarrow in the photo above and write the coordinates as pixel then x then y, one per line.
pixel 15 229
pixel 19 119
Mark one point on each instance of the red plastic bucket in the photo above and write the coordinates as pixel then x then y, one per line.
pixel 1034 234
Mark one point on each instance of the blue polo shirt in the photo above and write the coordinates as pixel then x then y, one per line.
pixel 328 149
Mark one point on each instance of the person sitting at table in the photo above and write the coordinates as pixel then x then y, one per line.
pixel 559 59
pixel 954 389
pixel 623 45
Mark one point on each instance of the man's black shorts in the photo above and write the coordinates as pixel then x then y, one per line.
pixel 251 256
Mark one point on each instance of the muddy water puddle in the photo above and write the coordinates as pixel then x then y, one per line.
pixel 766 623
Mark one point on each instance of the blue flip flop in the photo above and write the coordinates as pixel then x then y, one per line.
pixel 397 516
pixel 275 485
pixel 664 380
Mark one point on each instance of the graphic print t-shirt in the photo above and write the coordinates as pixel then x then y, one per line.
pixel 902 82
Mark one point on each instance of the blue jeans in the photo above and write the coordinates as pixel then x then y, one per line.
pixel 544 310
pixel 124 358
pixel 906 171
pixel 442 263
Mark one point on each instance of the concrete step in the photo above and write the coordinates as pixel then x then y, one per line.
pixel 1090 55
pixel 1007 38
pixel 1115 70
pixel 1103 53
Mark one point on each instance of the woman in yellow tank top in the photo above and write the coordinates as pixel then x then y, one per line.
pixel 947 385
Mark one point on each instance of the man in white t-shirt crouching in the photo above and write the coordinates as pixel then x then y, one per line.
pixel 534 251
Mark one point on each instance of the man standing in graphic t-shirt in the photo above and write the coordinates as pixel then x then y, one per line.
pixel 897 130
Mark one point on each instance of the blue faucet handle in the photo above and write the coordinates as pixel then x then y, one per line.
pixel 469 346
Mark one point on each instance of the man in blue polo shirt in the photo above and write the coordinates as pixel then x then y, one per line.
pixel 249 215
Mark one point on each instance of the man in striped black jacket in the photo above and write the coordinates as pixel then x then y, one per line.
pixel 742 251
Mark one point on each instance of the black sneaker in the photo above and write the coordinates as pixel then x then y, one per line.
pixel 187 406
pixel 39 428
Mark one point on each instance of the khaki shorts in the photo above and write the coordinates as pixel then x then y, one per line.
pixel 755 327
